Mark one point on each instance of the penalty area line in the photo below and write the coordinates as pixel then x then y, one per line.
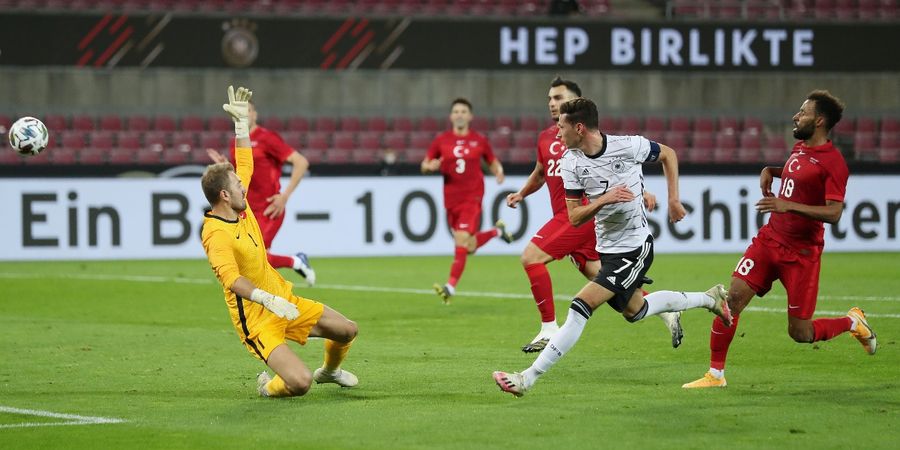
pixel 70 419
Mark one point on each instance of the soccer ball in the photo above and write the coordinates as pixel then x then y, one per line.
pixel 28 136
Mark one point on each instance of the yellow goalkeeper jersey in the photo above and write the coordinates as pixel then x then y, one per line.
pixel 235 248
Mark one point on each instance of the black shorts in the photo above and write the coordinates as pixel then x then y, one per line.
pixel 623 273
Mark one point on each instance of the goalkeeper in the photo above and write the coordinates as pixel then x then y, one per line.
pixel 263 309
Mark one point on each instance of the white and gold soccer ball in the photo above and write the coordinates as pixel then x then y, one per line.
pixel 28 136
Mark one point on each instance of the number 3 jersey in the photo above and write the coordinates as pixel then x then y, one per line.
pixel 620 227
pixel 810 176
pixel 461 165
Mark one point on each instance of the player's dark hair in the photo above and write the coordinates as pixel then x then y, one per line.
pixel 581 110
pixel 828 106
pixel 214 180
pixel 569 84
pixel 461 101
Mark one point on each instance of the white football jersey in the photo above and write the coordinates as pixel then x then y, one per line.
pixel 620 227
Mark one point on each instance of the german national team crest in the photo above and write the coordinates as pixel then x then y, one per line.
pixel 619 166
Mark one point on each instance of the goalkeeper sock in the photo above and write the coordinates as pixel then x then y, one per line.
pixel 561 342
pixel 335 352
pixel 276 388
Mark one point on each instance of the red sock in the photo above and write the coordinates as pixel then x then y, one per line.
pixel 542 290
pixel 719 340
pixel 459 263
pixel 482 237
pixel 279 261
pixel 826 329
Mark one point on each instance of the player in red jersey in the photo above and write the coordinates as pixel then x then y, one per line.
pixel 265 196
pixel 558 237
pixel 457 154
pixel 789 248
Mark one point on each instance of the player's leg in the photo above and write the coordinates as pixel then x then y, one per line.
pixel 586 301
pixel 339 333
pixel 461 227
pixel 801 281
pixel 534 261
pixel 715 300
pixel 292 377
pixel 299 262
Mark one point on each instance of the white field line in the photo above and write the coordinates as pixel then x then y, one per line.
pixel 399 290
pixel 71 419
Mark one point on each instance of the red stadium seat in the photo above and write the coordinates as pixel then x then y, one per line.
pixel 865 148
pixel 890 149
pixel 338 156
pixel 343 140
pixel 525 139
pixel 529 123
pixel 220 124
pixel 73 139
pixel 369 140
pixel 629 125
pixel 175 156
pixel 102 139
pixel 752 125
pixel 55 122
pixel 420 140
pixel 212 139
pixel 681 124
pixel 378 124
pixel 480 124
pixel 314 156
pixel 504 123
pixel 130 140
pixel 890 125
pixel 677 141
pixel 318 141
pixel 93 156
pixel 111 123
pixel 142 123
pixel 192 123
pixel 403 124
pixel 701 150
pixel 653 126
pixel 609 124
pixel 431 125
pixel 326 124
pixel 350 124
pixel 365 155
pixel 293 139
pixel 749 148
pixel 164 123
pixel 273 123
pixel 83 123
pixel 866 125
pixel 396 140
pixel 65 155
pixel 184 141
pixel 297 124
pixel 155 141
pixel 500 140
pixel 729 124
pixel 147 156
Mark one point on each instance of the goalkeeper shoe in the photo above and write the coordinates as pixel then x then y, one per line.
pixel 261 381
pixel 341 378
pixel 304 269
pixel 708 381
pixel 501 228
pixel 720 307
pixel 673 323
pixel 443 292
pixel 862 331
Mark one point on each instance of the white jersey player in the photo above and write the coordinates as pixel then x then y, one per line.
pixel 607 169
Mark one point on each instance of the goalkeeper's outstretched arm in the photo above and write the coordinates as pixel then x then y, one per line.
pixel 244 288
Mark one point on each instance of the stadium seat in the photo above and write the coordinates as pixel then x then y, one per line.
pixel 55 122
pixel 864 146
pixel 653 126
pixel 314 155
pixel 629 125
pixel 73 139
pixel 192 123
pixel 378 124
pixel 503 123
pixel 141 123
pixel 317 141
pixel 752 125
pixel 297 124
pixel 83 123
pixel 220 124
pixel 866 125
pixel 93 156
pixel 701 150
pixel 102 139
pixel 890 150
pixel 184 141
pixel 111 123
pixel 365 156
pixel 609 124
pixel 325 124
pixel 115 156
pixel 403 124
pixel 677 141
pixel 156 141
pixel 175 156
pixel 211 139
pixel 64 155
pixel 430 124
pixel 293 138
pixel 525 139
pixel 147 156
pixel 890 125
pixel 501 140
pixel 343 140
pixel 10 158
pixel 130 140
pixel 273 123
pixel 749 148
pixel 396 140
pixel 729 125
pixel 350 124
pixel 164 123
pixel 368 140
pixel 681 124
pixel 480 124
pixel 420 140
pixel 338 156
pixel 529 123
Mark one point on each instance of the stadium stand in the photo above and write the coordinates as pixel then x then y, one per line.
pixel 361 140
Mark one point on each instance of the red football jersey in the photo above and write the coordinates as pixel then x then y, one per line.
pixel 269 154
pixel 461 165
pixel 810 176
pixel 549 151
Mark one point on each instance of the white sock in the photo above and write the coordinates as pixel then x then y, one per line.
pixel 549 327
pixel 297 263
pixel 559 344
pixel 671 301
pixel 450 288
pixel 853 322
pixel 718 373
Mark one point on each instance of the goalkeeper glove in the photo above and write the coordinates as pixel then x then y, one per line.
pixel 239 110
pixel 279 306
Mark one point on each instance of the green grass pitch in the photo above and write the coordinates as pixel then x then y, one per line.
pixel 150 343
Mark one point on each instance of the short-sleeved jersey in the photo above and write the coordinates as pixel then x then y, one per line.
pixel 461 165
pixel 235 249
pixel 269 154
pixel 810 176
pixel 620 227
pixel 549 153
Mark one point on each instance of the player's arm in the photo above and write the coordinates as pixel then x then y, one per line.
pixel 217 245
pixel 532 184
pixel 669 162
pixel 277 202
pixel 829 213
pixel 432 161
pixel 579 214
pixel 765 179
pixel 238 108
pixel 496 168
